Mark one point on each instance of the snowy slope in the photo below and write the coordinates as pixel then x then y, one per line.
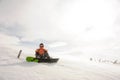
pixel 12 68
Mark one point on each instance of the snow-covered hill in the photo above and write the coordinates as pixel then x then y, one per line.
pixel 84 34
pixel 12 68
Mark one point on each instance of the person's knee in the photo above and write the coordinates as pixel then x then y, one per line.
pixel 47 55
pixel 36 54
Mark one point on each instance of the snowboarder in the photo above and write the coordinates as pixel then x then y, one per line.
pixel 41 53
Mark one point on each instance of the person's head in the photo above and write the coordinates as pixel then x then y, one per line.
pixel 41 45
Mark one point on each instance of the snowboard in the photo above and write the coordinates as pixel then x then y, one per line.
pixel 33 59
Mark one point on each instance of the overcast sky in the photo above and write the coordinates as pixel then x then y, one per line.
pixel 87 26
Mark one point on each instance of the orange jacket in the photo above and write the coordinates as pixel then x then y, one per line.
pixel 41 51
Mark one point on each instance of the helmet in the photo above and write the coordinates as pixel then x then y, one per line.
pixel 41 44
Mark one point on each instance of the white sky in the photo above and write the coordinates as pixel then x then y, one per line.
pixel 90 26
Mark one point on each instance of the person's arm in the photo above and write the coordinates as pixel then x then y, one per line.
pixel 37 51
pixel 46 51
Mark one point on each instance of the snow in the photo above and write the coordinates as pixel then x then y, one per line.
pixel 12 68
pixel 84 34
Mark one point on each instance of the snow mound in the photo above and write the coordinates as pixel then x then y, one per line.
pixel 12 68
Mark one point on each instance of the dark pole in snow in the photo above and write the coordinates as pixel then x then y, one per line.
pixel 19 54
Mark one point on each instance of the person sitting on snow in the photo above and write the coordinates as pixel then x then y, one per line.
pixel 41 53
